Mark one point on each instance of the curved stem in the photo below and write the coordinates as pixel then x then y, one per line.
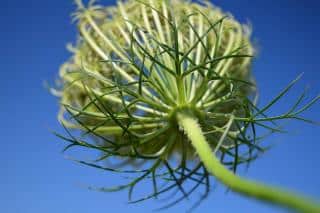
pixel 245 187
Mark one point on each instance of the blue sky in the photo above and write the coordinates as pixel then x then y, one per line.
pixel 36 177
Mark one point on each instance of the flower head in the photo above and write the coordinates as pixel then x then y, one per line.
pixel 137 64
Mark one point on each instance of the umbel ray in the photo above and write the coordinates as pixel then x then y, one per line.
pixel 165 89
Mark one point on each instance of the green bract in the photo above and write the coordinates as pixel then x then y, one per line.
pixel 142 72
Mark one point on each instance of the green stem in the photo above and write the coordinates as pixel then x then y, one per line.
pixel 245 187
pixel 181 90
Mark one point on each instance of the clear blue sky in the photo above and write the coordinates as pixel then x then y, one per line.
pixel 35 176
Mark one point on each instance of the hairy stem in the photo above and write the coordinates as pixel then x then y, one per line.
pixel 245 187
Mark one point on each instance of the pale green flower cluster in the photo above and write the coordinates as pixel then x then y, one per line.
pixel 145 60
pixel 163 84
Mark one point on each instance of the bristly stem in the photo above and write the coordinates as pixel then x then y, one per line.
pixel 245 187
